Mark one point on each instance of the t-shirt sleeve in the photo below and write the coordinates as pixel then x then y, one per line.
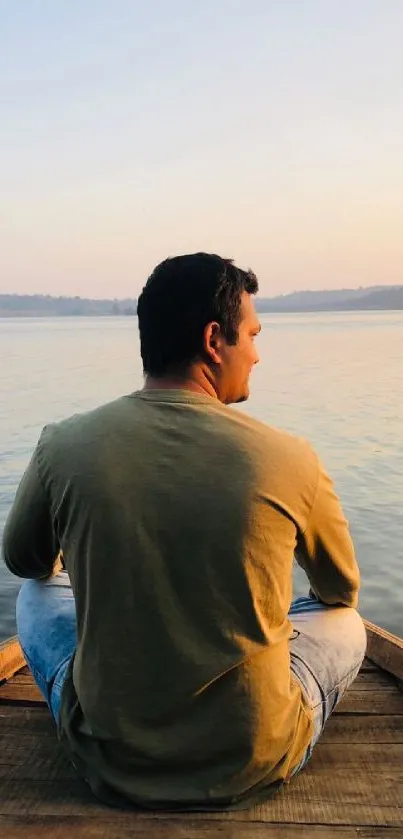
pixel 30 546
pixel 325 549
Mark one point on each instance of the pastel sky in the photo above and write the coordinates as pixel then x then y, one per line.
pixel 270 131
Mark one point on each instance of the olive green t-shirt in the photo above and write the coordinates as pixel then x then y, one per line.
pixel 179 519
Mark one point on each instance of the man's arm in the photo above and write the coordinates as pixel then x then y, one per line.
pixel 325 550
pixel 29 543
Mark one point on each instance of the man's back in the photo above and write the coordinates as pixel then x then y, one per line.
pixel 179 518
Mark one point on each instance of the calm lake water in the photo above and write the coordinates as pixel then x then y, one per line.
pixel 336 379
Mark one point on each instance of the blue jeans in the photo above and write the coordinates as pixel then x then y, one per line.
pixel 327 650
pixel 327 647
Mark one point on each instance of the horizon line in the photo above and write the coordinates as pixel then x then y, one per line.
pixel 259 294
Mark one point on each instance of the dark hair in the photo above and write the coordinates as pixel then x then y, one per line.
pixel 182 295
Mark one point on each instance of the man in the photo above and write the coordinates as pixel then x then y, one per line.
pixel 178 671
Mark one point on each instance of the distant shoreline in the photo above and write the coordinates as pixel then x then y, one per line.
pixel 50 316
pixel 375 298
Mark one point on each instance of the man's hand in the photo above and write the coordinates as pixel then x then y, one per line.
pixel 59 564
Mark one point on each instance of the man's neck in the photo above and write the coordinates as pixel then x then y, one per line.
pixel 197 382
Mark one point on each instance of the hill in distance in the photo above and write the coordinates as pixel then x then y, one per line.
pixel 39 305
pixel 364 299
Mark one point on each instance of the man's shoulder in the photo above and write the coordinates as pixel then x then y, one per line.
pixel 283 460
pixel 270 435
pixel 82 422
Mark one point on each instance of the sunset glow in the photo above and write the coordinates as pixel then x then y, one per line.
pixel 268 132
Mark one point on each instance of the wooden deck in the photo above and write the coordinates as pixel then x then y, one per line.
pixel 352 787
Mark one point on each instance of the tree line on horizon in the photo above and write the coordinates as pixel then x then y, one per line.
pixel 372 298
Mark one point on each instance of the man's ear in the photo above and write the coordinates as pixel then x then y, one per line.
pixel 213 342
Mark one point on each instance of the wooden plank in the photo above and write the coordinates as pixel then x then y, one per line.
pixel 354 785
pixel 11 658
pixel 362 683
pixel 363 728
pixel 370 702
pixel 377 677
pixel 306 802
pixel 25 675
pixel 369 666
pixel 176 828
pixel 21 689
pixel 367 687
pixel 385 649
pixel 26 727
